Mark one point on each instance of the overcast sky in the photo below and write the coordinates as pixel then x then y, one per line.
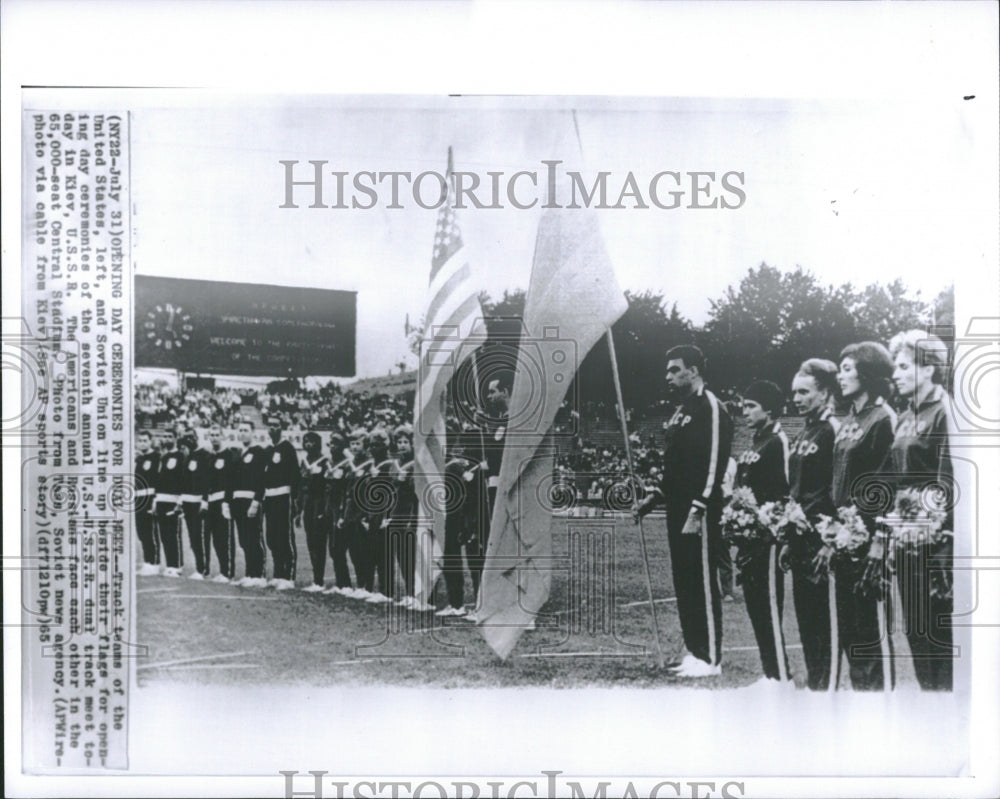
pixel 857 192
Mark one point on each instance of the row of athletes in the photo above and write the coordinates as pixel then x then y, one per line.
pixel 357 506
pixel 834 463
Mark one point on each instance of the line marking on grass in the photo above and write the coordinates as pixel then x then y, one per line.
pixel 577 654
pixel 157 590
pixel 226 596
pixel 646 602
pixel 180 661
pixel 213 666
pixel 350 662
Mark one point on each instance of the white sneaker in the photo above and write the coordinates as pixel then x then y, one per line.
pixel 530 625
pixel 148 570
pixel 171 571
pixel 312 588
pixel 333 589
pixel 377 599
pixel 472 615
pixel 256 582
pixel 220 578
pixel 421 607
pixel 283 585
pixel 405 602
pixel 448 610
pixel 196 576
pixel 270 583
pixel 700 668
pixel 687 661
pixel 361 593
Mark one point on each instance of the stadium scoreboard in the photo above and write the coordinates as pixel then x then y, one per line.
pixel 217 327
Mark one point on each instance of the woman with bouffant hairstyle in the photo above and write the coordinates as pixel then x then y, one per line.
pixel 860 461
pixel 921 462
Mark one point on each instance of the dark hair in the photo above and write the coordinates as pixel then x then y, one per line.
pixel 145 433
pixel 312 436
pixel 823 373
pixel 504 380
pixel 690 355
pixel 873 364
pixel 244 420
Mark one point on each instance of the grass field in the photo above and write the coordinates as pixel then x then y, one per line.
pixel 596 628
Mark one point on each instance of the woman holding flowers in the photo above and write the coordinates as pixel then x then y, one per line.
pixel 922 519
pixel 861 494
pixel 810 477
pixel 763 469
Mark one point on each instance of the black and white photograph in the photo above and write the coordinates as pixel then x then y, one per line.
pixel 395 442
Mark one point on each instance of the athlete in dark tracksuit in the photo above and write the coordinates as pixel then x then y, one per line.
pixel 461 527
pixel 219 521
pixel 697 446
pixel 860 460
pixel 282 481
pixel 247 504
pixel 402 528
pixel 810 471
pixel 763 468
pixel 147 465
pixel 921 458
pixel 337 480
pixel 169 483
pixel 315 505
pixel 194 499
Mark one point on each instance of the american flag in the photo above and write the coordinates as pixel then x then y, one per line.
pixel 452 317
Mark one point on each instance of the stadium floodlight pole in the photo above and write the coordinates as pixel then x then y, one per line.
pixel 632 483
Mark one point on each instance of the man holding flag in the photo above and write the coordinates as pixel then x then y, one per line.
pixel 573 300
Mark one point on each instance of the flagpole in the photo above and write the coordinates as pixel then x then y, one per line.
pixel 631 477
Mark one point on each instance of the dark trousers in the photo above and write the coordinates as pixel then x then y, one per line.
pixel 694 562
pixel 359 548
pixel 169 525
pixel 318 536
pixel 755 571
pixel 925 595
pixel 453 566
pixel 250 532
pixel 280 535
pixel 402 548
pixel 145 528
pixel 198 536
pixel 476 548
pixel 863 636
pixel 380 563
pixel 338 554
pixel 812 612
pixel 725 568
pixel 219 530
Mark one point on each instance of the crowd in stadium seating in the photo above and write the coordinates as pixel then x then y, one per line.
pixel 590 469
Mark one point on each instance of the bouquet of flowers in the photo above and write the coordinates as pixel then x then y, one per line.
pixel 917 519
pixel 784 519
pixel 741 522
pixel 847 534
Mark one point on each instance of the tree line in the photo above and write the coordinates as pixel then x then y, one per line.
pixel 760 328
